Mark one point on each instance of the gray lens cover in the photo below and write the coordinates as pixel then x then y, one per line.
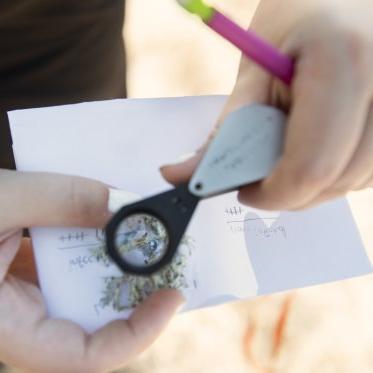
pixel 245 149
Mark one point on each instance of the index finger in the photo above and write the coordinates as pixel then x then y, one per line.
pixel 45 199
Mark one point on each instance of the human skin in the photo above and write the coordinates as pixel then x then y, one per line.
pixel 30 340
pixel 328 145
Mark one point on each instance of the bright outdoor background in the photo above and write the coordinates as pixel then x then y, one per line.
pixel 324 329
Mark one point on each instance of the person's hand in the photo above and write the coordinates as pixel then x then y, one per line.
pixel 29 339
pixel 328 147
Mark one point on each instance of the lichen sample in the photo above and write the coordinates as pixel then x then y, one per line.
pixel 141 239
pixel 138 288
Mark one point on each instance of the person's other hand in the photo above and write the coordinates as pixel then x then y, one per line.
pixel 29 339
pixel 328 147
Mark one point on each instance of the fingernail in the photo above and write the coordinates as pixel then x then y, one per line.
pixel 182 158
pixel 181 305
pixel 119 198
pixel 180 309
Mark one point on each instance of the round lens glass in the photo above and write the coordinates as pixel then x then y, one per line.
pixel 141 240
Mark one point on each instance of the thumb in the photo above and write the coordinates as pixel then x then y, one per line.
pixel 42 199
pixel 252 85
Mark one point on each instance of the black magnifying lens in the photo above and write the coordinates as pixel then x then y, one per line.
pixel 143 237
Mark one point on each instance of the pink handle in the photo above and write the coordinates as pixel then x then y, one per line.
pixel 254 47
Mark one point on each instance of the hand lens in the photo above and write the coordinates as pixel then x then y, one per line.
pixel 143 237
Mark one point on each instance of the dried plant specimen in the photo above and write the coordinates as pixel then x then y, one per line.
pixel 127 291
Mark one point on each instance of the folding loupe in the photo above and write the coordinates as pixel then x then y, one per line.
pixel 143 237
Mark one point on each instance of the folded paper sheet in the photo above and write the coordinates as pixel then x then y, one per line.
pixel 230 251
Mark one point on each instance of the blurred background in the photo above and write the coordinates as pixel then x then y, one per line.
pixel 171 53
pixel 323 329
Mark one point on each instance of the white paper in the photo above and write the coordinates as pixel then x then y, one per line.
pixel 232 251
